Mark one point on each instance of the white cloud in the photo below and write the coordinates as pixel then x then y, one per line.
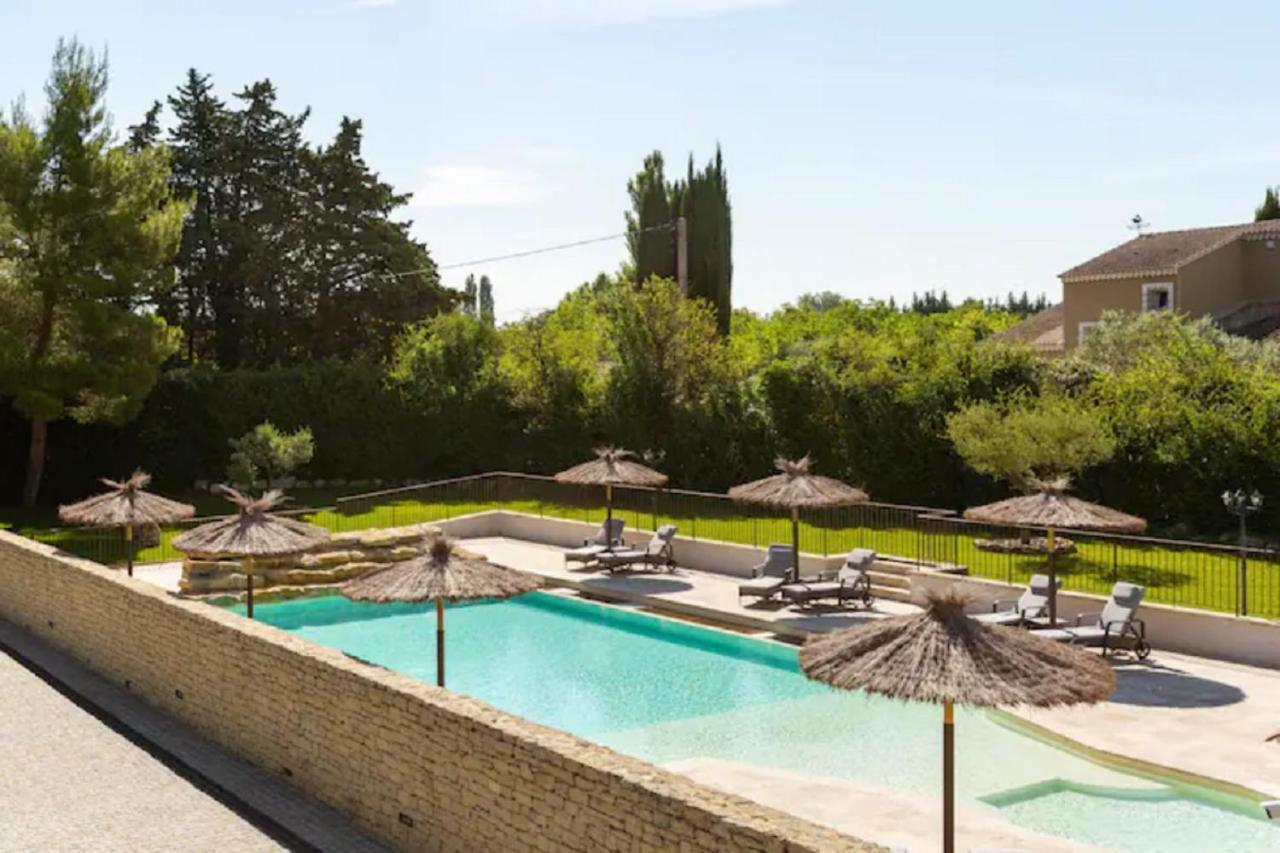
pixel 618 11
pixel 375 3
pixel 460 185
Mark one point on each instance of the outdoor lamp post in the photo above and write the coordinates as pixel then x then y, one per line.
pixel 1242 504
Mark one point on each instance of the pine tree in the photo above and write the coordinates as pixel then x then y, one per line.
pixel 363 278
pixel 147 132
pixel 1270 207
pixel 200 142
pixel 89 228
pixel 291 252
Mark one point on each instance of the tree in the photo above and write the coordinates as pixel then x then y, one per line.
pixel 445 370
pixel 471 296
pixel 362 277
pixel 269 451
pixel 649 239
pixel 931 303
pixel 669 366
pixel 1270 207
pixel 703 200
pixel 1030 441
pixel 485 307
pixel 292 252
pixel 88 228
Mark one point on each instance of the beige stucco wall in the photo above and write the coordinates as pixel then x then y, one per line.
pixel 1213 283
pixel 1262 271
pixel 371 743
pixel 1240 272
pixel 1086 300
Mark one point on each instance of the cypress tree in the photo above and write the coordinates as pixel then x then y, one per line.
pixel 652 251
pixel 703 199
pixel 485 306
pixel 1270 207
pixel 470 297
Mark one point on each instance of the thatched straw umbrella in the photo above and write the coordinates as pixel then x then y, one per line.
pixel 943 656
pixel 440 575
pixel 1051 507
pixel 612 466
pixel 794 488
pixel 127 506
pixel 251 533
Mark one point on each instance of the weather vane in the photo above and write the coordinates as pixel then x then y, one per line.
pixel 1137 224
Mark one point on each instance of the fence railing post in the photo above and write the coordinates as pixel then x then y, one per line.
pixel 1244 582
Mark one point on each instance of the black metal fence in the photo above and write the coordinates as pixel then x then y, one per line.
pixel 1243 581
pixel 151 544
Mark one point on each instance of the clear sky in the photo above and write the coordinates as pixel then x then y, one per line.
pixel 873 148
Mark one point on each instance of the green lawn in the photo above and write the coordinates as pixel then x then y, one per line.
pixel 1206 579
pixel 1189 577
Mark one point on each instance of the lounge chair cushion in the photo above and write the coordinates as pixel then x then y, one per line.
pixel 766 585
pixel 811 590
pixel 1123 603
pixel 860 558
pixel 1059 635
pixel 1002 617
pixel 586 552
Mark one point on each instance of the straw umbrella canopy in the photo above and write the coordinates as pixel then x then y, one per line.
pixel 252 532
pixel 126 505
pixel 613 466
pixel 1051 507
pixel 440 574
pixel 795 488
pixel 942 656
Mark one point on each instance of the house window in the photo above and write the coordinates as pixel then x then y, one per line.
pixel 1157 296
pixel 1083 330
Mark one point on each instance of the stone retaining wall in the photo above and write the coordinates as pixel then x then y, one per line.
pixel 417 767
pixel 344 556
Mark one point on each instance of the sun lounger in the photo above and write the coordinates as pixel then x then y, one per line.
pixel 659 552
pixel 768 577
pixel 600 543
pixel 1116 628
pixel 1032 604
pixel 850 583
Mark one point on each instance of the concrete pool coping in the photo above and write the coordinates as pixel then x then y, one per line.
pixel 1089 732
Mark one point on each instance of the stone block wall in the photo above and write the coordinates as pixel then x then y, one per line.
pixel 417 767
pixel 344 556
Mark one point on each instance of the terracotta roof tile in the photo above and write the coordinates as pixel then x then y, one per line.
pixel 1164 252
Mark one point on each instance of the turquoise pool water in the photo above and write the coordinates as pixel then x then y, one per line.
pixel 663 691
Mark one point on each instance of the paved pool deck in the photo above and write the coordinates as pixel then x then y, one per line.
pixel 1205 717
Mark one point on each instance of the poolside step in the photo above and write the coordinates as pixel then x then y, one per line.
pixel 891 581
pixel 891 593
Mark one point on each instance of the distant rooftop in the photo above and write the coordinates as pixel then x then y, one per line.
pixel 1163 252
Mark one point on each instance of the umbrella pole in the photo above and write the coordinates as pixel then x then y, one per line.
pixel 1053 581
pixel 248 580
pixel 948 778
pixel 440 642
pixel 608 516
pixel 795 544
pixel 128 547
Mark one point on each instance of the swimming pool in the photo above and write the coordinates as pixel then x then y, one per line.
pixel 663 691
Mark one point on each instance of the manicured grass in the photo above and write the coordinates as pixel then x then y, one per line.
pixel 1207 579
pixel 1202 578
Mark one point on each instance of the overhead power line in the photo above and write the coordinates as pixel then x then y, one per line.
pixel 529 252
